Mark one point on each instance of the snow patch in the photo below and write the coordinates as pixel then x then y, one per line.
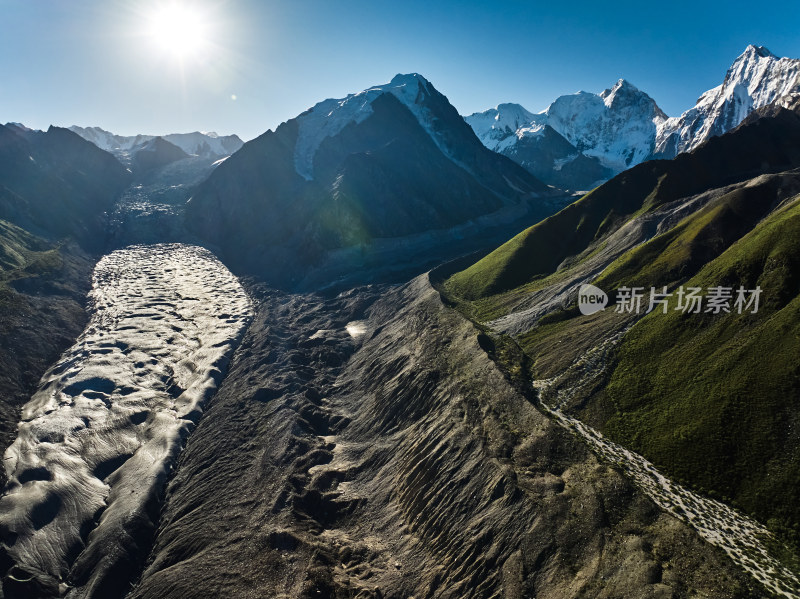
pixel 356 328
pixel 560 163
pixel 500 128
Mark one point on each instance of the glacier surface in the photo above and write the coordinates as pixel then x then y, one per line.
pixel 99 437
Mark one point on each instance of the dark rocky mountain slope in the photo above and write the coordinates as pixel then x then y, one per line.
pixel 155 153
pixel 398 461
pixel 57 185
pixel 391 162
pixel 55 190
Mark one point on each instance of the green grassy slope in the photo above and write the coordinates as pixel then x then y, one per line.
pixel 539 250
pixel 23 254
pixel 715 399
pixel 680 252
pixel 667 259
pixel 712 399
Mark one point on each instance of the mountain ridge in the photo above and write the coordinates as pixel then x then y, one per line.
pixel 204 144
pixel 756 78
pixel 580 140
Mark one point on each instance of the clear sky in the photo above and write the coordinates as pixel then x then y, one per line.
pixel 261 62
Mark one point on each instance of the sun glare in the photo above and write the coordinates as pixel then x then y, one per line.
pixel 179 30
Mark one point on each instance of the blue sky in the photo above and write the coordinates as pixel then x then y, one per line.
pixel 93 62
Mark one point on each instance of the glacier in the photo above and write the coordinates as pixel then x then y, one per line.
pixel 98 439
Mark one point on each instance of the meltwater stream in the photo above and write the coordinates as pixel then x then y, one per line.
pixel 97 440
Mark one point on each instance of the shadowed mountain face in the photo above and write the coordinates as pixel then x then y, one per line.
pixel 390 162
pixel 550 157
pixel 710 397
pixel 154 154
pixel 55 189
pixel 57 184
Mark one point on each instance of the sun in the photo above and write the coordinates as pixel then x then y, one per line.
pixel 179 30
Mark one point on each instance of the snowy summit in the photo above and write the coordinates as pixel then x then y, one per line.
pixel 755 79
pixel 206 145
pixel 623 126
pixel 329 117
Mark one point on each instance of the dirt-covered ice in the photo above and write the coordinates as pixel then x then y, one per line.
pixel 98 439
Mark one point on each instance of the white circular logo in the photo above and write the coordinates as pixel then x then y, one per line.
pixel 591 299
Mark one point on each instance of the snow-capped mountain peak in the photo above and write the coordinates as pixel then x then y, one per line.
pixel 755 79
pixel 620 87
pixel 516 110
pixel 500 127
pixel 410 89
pixel 205 144
pixel 623 93
pixel 765 76
pixel 616 126
pixel 196 143
pixel 757 51
pixel 329 117
pixel 622 126
pixel 606 133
